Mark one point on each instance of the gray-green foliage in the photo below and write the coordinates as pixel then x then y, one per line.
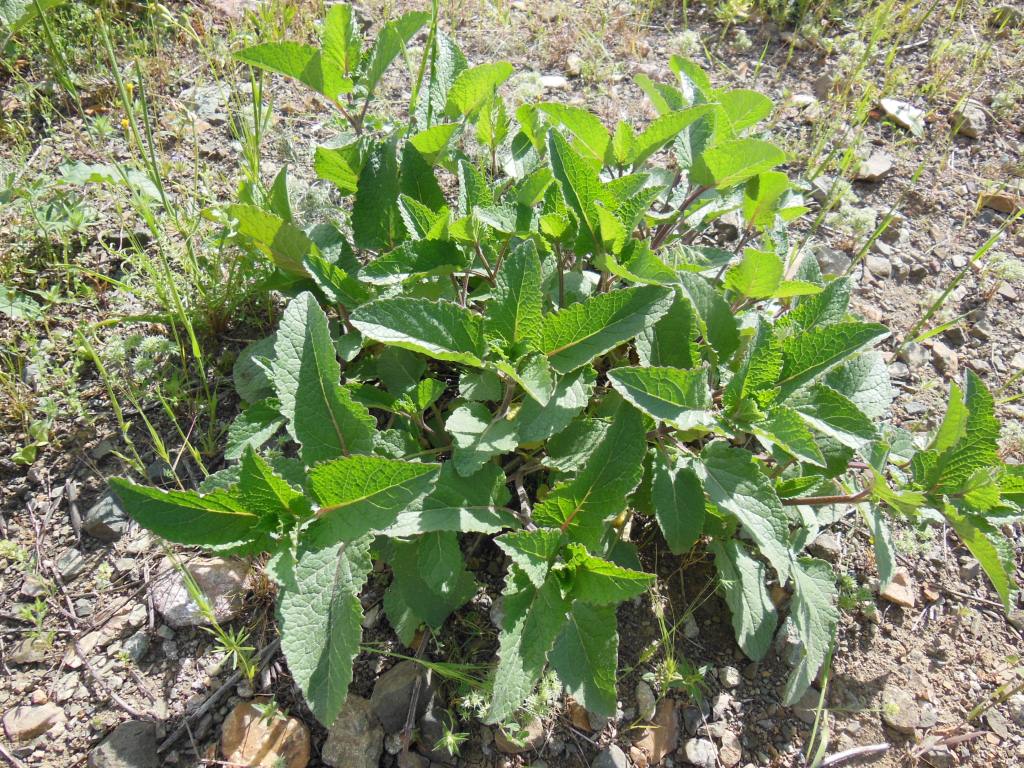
pixel 551 356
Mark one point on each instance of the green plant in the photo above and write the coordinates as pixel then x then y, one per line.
pixel 554 356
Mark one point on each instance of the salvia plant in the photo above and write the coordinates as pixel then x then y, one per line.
pixel 519 329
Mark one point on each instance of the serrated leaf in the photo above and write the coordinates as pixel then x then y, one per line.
pixel 360 494
pixel 598 492
pixel 581 188
pixel 980 538
pixel 249 375
pixel 533 374
pixel 478 436
pixel 832 414
pixel 375 218
pixel 977 448
pixel 332 164
pixel 591 136
pixel 439 329
pixel 415 259
pixel 827 307
pixel 742 579
pixel 586 655
pixel 761 196
pixel 741 108
pixel 301 62
pixel 678 502
pixel 472 87
pixel 285 245
pixel 322 417
pixel 476 503
pixel 736 486
pixel 580 332
pixel 267 495
pixel 785 428
pixel 572 392
pixel 253 427
pixel 674 395
pixel 714 317
pixel 814 613
pixel 662 131
pixel 732 162
pixel 515 311
pixel 600 582
pixel 341 39
pixel 670 341
pixel 320 617
pixel 433 141
pixel 391 40
pixel 807 355
pixel 532 551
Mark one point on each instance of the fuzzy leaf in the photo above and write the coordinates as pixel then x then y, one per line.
pixel 807 355
pixel 678 501
pixel 532 551
pixel 515 311
pixel 439 329
pixel 742 579
pixel 475 503
pixel 299 61
pixel 253 427
pixel 586 656
pixel 674 395
pixel 478 436
pixel 572 392
pixel 814 613
pixel 474 86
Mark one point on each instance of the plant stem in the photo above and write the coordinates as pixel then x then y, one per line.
pixel 822 501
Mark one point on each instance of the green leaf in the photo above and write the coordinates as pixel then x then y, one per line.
pixel 285 245
pixel 980 538
pixel 670 341
pixel 600 582
pixel 761 197
pixel 678 501
pixel 15 14
pixel 714 317
pixel 439 329
pixel 375 217
pixel 881 540
pixel 186 517
pixel 416 259
pixel 572 392
pixel 814 613
pixel 580 332
pixel 249 374
pixel 831 413
pixel 533 374
pixel 742 580
pixel 390 42
pixel 333 165
pixel 253 427
pixel 759 276
pixel 533 620
pixel 598 492
pixel 267 495
pixel 472 87
pixel 342 42
pixel 475 503
pixel 586 657
pixel 733 162
pixel 360 494
pixel 301 62
pixel 742 108
pixel 591 136
pixel 785 428
pixel 322 417
pixel 515 311
pixel 674 395
pixel 532 551
pixel 478 436
pixel 429 581
pixel 736 486
pixel 977 448
pixel 432 142
pixel 662 131
pixel 810 354
pixel 321 620
pixel 580 185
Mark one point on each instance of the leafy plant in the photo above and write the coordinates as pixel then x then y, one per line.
pixel 555 357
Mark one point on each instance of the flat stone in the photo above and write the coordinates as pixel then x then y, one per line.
pixel 806 707
pixel 875 167
pixel 1015 706
pixel 130 745
pixel 105 520
pixel 31 650
pixel 554 83
pixel 730 677
pixel 899 709
pixel 827 547
pixel 970 120
pixel 720 705
pixel 532 738
pixel 249 739
pixel 878 266
pixel 831 261
pixel 393 692
pixel 25 723
pixel 610 757
pixel 904 115
pixel 663 738
pixel 355 738
pixel 646 701
pixel 70 565
pixel 222 581
pixel 731 751
pixel 900 590
pixel 944 359
pixel 700 752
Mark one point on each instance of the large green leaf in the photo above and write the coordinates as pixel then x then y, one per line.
pixel 671 340
pixel 478 436
pixel 515 311
pixel 375 217
pixel 678 501
pixel 341 39
pixel 733 162
pixel 438 329
pixel 532 551
pixel 390 41
pixel 320 619
pixel 810 354
pixel 736 486
pixel 580 185
pixel 714 317
pixel 322 416
pixel 472 87
pixel 663 130
pixel 538 422
pixel 785 428
pixel 580 332
pixel 976 446
pixel 832 414
pixel 415 259
pixel 285 245
pixel 591 136
pixel 359 494
pixel 598 492
pixel 299 61
pixel 586 656
pixel 759 276
pixel 814 614
pixel 742 579
pixel 455 503
pixel 674 395
pixel 253 427
pixel 601 582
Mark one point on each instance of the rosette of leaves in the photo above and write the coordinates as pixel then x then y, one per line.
pixel 554 354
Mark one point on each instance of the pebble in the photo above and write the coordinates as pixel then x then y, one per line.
pixel 900 590
pixel 30 650
pixel 878 266
pixel 904 115
pixel 249 739
pixel 720 705
pixel 70 565
pixel 106 520
pixel 944 358
pixel 355 738
pixel 899 709
pixel 646 701
pixel 25 723
pixel 731 751
pixel 610 757
pixel 831 261
pixel 136 646
pixel 393 692
pixel 827 547
pixel 875 167
pixel 806 708
pixel 700 752
pixel 554 83
pixel 970 120
pixel 574 65
pixel 222 581
pixel 729 676
pixel 130 745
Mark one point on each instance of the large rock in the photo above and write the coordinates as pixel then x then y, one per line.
pixel 700 752
pixel 249 739
pixel 222 581
pixel 355 739
pixel 106 520
pixel 662 739
pixel 731 752
pixel 393 691
pixel 610 757
pixel 25 723
pixel 970 119
pixel 130 745
pixel 900 710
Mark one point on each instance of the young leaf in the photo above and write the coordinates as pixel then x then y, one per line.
pixel 586 656
pixel 572 392
pixel 253 427
pixel 472 87
pixel 322 417
pixel 375 217
pixel 302 62
pixel 742 580
pixel 266 494
pixel 284 244
pixel 341 43
pixel 515 311
pixel 390 41
pixel 830 413
pixel 432 142
pixel 580 332
pixel 714 317
pixel 807 355
pixel 580 185
pixel 674 395
pixel 591 136
pixel 478 435
pixel 814 613
pixel 662 131
pixel 736 486
pixel 733 162
pixel 742 108
pixel 532 551
pixel 980 538
pixel 678 502
pixel 320 617
pixel 600 582
pixel 977 447
pixel 881 539
pixel 439 329
pixel 784 427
